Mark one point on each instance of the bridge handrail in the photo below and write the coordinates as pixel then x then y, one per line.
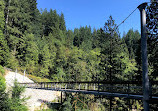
pixel 96 82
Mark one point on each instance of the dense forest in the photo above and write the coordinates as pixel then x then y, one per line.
pixel 39 42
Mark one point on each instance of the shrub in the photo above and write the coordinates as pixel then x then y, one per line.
pixel 2 71
pixel 13 103
pixel 16 102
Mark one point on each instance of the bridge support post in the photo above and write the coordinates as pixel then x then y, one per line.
pixel 144 57
pixel 110 103
pixel 61 97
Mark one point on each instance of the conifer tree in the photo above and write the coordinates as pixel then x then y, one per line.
pixel 30 59
pixel 131 39
pixel 4 50
pixel 152 28
pixel 114 54
pixel 62 23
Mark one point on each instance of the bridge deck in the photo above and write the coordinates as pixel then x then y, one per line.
pixel 131 90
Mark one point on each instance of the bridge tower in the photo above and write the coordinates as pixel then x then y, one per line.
pixel 144 57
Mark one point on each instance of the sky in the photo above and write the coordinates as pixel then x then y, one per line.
pixel 95 13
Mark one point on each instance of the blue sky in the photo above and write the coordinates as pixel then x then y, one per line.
pixel 95 12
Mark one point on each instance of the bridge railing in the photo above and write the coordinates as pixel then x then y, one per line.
pixel 154 88
pixel 127 87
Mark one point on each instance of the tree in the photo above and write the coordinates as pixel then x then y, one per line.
pixel 66 106
pixel 4 51
pixel 114 54
pixel 62 23
pixel 69 39
pixel 21 18
pixel 45 61
pixel 30 59
pixel 35 19
pixel 131 39
pixel 83 38
pixel 4 97
pixel 52 23
pixel 16 103
pixel 152 28
pixel 111 51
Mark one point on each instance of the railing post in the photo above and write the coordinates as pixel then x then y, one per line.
pixel 98 86
pixel 61 97
pixel 150 87
pixel 79 86
pixel 128 90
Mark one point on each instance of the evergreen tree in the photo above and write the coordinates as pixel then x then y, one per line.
pixel 30 54
pixel 45 61
pixel 4 97
pixel 35 19
pixel 4 51
pixel 16 102
pixel 69 39
pixel 131 39
pixel 18 22
pixel 114 54
pixel 83 38
pixel 66 106
pixel 51 23
pixel 76 41
pixel 152 28
pixel 62 23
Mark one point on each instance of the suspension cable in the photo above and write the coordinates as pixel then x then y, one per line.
pixel 132 13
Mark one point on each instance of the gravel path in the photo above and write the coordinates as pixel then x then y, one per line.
pixel 11 76
pixel 35 94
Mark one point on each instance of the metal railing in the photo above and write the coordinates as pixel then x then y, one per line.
pixel 123 87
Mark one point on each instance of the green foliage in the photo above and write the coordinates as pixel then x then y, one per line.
pixel 13 61
pixel 2 84
pixel 131 39
pixel 39 43
pixel 2 71
pixel 16 102
pixel 4 51
pixel 67 106
pixel 2 14
pixel 152 30
pixel 13 103
pixel 4 105
pixel 17 90
pixel 30 58
pixel 38 79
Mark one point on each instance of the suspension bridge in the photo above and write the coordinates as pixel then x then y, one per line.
pixel 143 90
pixel 125 89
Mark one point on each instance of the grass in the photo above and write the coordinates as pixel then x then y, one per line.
pixel 38 79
